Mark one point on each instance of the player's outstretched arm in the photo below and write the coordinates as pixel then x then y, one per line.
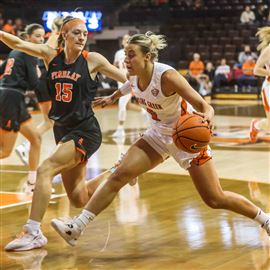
pixel 37 50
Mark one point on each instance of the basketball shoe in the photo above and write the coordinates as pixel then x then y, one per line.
pixel 266 226
pixel 253 131
pixel 67 229
pixel 22 153
pixel 28 188
pixel 27 241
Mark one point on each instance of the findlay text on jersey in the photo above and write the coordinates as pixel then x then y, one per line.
pixel 65 74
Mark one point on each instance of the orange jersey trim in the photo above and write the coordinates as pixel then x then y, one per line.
pixel 202 158
pixel 44 102
pixel 85 54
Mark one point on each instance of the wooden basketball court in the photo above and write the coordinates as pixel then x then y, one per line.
pixel 162 223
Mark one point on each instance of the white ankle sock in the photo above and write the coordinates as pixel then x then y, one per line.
pixel 33 226
pixel 261 217
pixel 84 218
pixel 32 175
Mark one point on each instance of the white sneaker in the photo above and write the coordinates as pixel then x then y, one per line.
pixel 266 226
pixel 28 188
pixel 27 241
pixel 67 229
pixel 120 132
pixel 22 153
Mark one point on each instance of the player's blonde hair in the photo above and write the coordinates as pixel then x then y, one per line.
pixel 264 37
pixel 149 42
pixel 57 23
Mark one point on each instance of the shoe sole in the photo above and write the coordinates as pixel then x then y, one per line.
pixel 23 249
pixel 54 225
pixel 20 156
pixel 26 249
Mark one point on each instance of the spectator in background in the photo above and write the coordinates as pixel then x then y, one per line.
pixel 196 68
pixel 206 79
pixel 244 55
pixel 234 75
pixel 18 26
pixel 247 80
pixel 221 77
pixel 8 27
pixel 210 71
pixel 247 16
pixel 262 13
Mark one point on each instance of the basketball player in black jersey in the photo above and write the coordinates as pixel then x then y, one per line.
pixel 42 93
pixel 20 74
pixel 72 83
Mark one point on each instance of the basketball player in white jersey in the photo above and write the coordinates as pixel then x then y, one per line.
pixel 123 102
pixel 165 94
pixel 262 68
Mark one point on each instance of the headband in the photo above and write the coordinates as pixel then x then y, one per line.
pixel 71 24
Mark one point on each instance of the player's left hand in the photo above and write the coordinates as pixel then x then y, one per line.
pixel 102 101
pixel 206 117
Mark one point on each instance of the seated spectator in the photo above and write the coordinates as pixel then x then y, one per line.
pixel 262 13
pixel 206 79
pixel 196 68
pixel 221 77
pixel 235 73
pixel 247 80
pixel 209 71
pixel 18 26
pixel 8 27
pixel 247 16
pixel 244 55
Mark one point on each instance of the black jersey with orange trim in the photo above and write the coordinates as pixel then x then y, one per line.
pixel 71 89
pixel 20 72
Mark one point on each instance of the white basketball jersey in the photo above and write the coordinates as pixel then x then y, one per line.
pixel 164 111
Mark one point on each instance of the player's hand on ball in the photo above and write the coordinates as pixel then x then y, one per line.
pixel 206 118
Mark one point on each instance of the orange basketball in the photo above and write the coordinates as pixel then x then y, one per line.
pixel 190 134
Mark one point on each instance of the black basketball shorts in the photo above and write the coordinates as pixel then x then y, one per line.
pixel 13 111
pixel 86 136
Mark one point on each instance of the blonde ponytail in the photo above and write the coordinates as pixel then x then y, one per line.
pixel 264 37
pixel 149 42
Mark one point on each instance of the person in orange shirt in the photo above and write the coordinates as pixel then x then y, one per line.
pixel 196 67
pixel 8 27
pixel 247 79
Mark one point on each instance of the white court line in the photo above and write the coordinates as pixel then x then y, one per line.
pixel 12 171
pixel 26 202
pixel 108 237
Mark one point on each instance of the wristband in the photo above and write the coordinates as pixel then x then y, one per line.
pixel 125 88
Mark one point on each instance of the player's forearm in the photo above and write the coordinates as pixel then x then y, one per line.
pixel 10 40
pixel 259 71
